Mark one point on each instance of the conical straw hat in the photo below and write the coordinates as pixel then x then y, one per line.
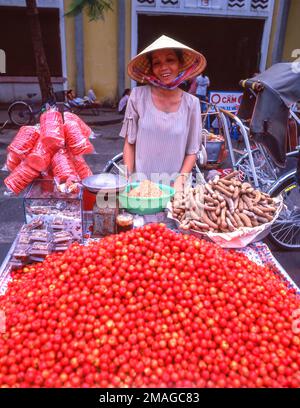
pixel 140 66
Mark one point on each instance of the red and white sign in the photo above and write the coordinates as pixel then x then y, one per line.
pixel 226 100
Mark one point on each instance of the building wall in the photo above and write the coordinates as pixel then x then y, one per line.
pixel 272 35
pixel 100 53
pixel 292 39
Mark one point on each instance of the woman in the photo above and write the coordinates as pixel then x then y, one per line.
pixel 162 126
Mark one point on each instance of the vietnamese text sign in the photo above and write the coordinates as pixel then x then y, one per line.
pixel 226 100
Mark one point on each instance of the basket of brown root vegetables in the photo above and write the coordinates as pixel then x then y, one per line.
pixel 225 210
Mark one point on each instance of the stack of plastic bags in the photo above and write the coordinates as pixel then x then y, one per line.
pixel 54 149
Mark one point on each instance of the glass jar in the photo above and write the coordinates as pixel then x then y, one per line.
pixel 124 222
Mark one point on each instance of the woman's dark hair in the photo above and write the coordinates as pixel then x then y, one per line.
pixel 179 55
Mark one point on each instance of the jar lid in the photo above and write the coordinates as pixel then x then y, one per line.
pixel 105 182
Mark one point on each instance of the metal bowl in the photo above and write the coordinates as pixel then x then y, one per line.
pixel 104 182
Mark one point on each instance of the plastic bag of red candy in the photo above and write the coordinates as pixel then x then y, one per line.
pixel 24 141
pixel 81 166
pixel 85 129
pixel 52 130
pixel 20 178
pixel 63 167
pixel 12 161
pixel 77 143
pixel 39 159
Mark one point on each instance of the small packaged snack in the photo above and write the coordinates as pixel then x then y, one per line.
pixel 36 223
pixel 63 246
pixel 40 249
pixel 21 253
pixel 57 223
pixel 40 236
pixel 24 239
pixel 15 264
pixel 62 236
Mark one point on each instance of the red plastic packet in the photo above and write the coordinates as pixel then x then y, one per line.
pixel 39 159
pixel 12 161
pixel 75 140
pixel 82 167
pixel 52 130
pixel 86 130
pixel 62 167
pixel 20 178
pixel 24 141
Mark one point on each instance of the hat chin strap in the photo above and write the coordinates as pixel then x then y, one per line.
pixel 153 80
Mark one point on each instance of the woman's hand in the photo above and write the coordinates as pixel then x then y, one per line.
pixel 180 182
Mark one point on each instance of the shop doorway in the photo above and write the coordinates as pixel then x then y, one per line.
pixel 231 45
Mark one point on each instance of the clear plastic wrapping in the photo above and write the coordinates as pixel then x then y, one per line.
pixel 20 178
pixel 62 167
pixel 76 141
pixel 82 167
pixel 52 130
pixel 85 129
pixel 24 141
pixel 12 161
pixel 39 159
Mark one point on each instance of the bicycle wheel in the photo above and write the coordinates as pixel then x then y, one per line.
pixel 285 232
pixel 114 166
pixel 20 113
pixel 266 173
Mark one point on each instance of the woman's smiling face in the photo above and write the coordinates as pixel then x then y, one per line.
pixel 165 65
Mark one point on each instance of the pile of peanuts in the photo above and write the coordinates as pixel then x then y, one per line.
pixel 222 205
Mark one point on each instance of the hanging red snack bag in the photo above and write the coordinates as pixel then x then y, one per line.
pixel 81 166
pixel 52 130
pixel 86 130
pixel 75 140
pixel 12 161
pixel 62 167
pixel 39 159
pixel 24 141
pixel 20 178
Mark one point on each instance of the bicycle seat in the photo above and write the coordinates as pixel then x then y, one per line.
pixel 31 95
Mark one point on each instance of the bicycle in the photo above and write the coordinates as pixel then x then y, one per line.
pixel 22 113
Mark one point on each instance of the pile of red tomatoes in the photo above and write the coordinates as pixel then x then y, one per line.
pixel 149 308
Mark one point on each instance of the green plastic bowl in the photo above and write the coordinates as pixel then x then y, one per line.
pixel 145 205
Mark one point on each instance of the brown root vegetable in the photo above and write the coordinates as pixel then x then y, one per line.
pixel 230 225
pixel 248 202
pixel 262 220
pixel 236 193
pixel 223 190
pixel 231 175
pixel 209 222
pixel 238 220
pixel 201 225
pixel 245 219
pixel 232 219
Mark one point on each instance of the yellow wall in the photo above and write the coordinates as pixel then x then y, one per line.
pixel 128 42
pixel 100 53
pixel 70 47
pixel 272 35
pixel 292 38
